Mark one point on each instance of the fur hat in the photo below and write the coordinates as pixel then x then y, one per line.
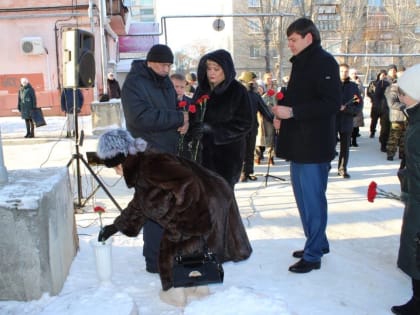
pixel 409 82
pixel 246 76
pixel 115 145
pixel 160 53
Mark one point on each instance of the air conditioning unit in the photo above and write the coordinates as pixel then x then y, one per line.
pixel 32 46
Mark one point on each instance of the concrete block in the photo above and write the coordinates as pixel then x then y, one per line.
pixel 38 239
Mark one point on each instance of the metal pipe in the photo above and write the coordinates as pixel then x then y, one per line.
pixel 44 15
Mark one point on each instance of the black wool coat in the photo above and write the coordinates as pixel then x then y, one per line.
pixel 189 202
pixel 314 93
pixel 345 117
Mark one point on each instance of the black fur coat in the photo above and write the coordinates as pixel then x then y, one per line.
pixel 189 202
pixel 228 118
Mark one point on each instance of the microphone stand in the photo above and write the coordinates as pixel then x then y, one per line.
pixel 270 156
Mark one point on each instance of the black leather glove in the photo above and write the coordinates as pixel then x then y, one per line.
pixel 106 232
pixel 201 129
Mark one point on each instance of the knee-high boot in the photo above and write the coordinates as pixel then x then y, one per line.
pixel 412 307
pixel 32 133
pixel 28 128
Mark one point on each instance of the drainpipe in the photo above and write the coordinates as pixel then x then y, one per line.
pixel 3 171
pixel 104 57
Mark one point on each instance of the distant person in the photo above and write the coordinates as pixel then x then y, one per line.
pixel 247 78
pixel 265 135
pixel 358 120
pixel 114 90
pixel 409 251
pixel 191 84
pixel 398 123
pixel 307 135
pixel 194 206
pixel 150 110
pixel 227 117
pixel 67 106
pixel 379 109
pixel 27 102
pixel 350 106
pixel 184 103
pixel 180 85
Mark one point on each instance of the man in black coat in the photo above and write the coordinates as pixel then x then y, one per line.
pixel 150 109
pixel 307 135
pixel 352 104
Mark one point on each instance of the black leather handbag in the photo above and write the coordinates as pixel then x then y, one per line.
pixel 197 269
pixel 38 117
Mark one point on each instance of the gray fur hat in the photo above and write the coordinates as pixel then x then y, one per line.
pixel 115 145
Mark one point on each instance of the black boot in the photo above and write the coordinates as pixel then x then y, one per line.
pixel 412 307
pixel 354 142
pixel 32 132
pixel 28 128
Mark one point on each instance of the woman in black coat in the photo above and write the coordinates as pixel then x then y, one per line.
pixel 222 126
pixel 191 203
pixel 26 103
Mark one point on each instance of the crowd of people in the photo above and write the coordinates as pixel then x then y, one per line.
pixel 190 138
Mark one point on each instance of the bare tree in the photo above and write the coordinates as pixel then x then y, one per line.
pixel 403 17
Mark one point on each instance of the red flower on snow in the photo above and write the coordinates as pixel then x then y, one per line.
pixel 371 193
pixel 374 191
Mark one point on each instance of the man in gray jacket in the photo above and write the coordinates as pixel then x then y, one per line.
pixel 150 109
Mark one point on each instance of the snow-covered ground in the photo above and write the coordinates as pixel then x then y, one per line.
pixel 358 277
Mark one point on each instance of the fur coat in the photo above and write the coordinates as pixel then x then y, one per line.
pixel 228 118
pixel 189 202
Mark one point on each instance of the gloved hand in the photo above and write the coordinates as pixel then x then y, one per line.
pixel 201 129
pixel 106 232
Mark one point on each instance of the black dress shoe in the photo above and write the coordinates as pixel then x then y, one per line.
pixel 343 174
pixel 252 177
pixel 299 253
pixel 303 266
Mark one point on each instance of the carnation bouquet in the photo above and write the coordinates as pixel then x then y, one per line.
pixel 374 191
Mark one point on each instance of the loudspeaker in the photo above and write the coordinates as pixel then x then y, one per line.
pixel 78 59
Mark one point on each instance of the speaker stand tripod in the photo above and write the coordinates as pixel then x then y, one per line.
pixel 79 158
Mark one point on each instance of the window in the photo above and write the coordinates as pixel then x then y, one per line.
pixel 253 3
pixel 254 26
pixel 375 3
pixel 254 51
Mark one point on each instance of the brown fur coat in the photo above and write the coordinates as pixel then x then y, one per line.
pixel 189 202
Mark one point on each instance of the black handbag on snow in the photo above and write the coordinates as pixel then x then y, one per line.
pixel 197 269
pixel 38 117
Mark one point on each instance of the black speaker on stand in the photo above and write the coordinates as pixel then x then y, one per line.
pixel 79 72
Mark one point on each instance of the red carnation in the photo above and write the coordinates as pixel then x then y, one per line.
pixel 182 104
pixel 271 92
pixel 98 209
pixel 279 95
pixel 192 109
pixel 371 193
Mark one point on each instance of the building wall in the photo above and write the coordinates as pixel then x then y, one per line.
pixel 21 19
